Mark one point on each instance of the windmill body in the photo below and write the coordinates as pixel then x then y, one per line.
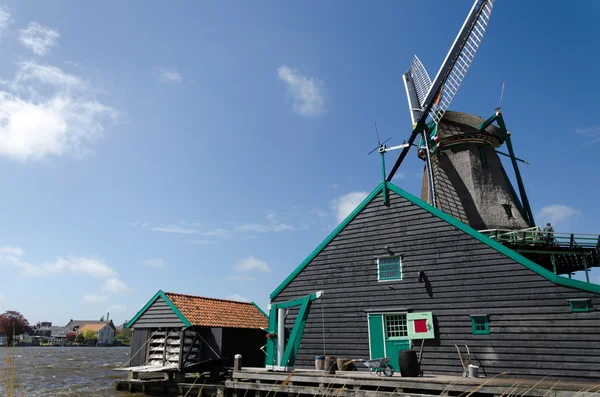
pixel 470 182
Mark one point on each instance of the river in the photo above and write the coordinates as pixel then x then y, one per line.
pixel 65 371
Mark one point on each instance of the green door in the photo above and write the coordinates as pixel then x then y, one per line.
pixel 388 334
pixel 376 341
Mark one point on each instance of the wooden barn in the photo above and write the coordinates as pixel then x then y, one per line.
pixel 398 271
pixel 176 331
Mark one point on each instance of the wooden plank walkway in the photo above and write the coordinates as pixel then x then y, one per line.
pixel 364 384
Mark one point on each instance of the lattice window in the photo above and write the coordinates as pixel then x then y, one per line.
pixel 390 268
pixel 480 325
pixel 396 326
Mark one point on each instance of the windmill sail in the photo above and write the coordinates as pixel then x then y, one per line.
pixel 458 60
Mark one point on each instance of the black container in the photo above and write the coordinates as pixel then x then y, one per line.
pixel 408 363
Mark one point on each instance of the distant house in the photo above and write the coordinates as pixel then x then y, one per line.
pixel 2 340
pixel 74 325
pixel 105 331
pixel 42 329
pixel 179 331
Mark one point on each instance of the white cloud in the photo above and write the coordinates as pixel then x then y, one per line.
pixel 156 263
pixel 94 298
pixel 272 225
pixel 558 214
pixel 115 286
pixel 174 229
pixel 169 75
pixel 591 132
pixel 344 205
pixel 202 242
pixel 218 233
pixel 241 277
pixel 237 297
pixel 5 19
pixel 38 38
pixel 48 112
pixel 251 263
pixel 13 256
pixel 305 92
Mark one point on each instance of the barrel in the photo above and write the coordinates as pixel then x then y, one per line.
pixel 409 365
pixel 319 362
pixel 330 365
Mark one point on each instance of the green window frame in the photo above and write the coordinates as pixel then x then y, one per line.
pixel 480 324
pixel 389 268
pixel 579 305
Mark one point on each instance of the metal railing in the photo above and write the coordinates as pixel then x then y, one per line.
pixel 535 236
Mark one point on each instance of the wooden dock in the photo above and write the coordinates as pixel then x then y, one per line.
pixel 258 382
pixel 261 383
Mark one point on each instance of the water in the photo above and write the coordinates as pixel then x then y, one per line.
pixel 67 371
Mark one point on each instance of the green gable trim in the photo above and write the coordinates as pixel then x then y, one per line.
pixel 260 310
pixel 159 294
pixel 320 248
pixel 567 282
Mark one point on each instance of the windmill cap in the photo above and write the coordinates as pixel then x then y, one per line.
pixel 463 126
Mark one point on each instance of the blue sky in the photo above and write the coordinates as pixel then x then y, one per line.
pixel 208 148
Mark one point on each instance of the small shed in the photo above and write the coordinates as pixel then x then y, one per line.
pixel 177 331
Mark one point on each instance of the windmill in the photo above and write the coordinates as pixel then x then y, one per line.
pixel 463 174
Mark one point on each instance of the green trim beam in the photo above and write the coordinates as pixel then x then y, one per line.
pixel 572 283
pixel 159 294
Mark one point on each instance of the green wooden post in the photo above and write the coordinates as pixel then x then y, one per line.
pixel 553 263
pixel 271 345
pixel 523 193
pixel 385 190
pixel 587 273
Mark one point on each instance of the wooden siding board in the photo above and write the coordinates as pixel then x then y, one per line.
pixel 158 315
pixel 529 315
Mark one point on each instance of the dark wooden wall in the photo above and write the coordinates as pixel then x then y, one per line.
pixel 533 332
pixel 246 342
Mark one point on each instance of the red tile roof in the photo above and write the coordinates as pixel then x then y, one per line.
pixel 212 312
pixel 93 327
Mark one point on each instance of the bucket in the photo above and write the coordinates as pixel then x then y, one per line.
pixel 330 365
pixel 473 371
pixel 319 362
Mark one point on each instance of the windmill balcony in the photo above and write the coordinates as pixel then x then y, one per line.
pixel 561 253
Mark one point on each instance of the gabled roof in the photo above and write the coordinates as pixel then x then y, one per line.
pixel 93 327
pixel 454 222
pixel 209 312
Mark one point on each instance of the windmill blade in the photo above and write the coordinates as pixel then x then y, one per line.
pixel 417 84
pixel 458 60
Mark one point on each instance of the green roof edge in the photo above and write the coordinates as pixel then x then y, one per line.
pixel 159 294
pixel 335 232
pixel 595 288
pixel 260 310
